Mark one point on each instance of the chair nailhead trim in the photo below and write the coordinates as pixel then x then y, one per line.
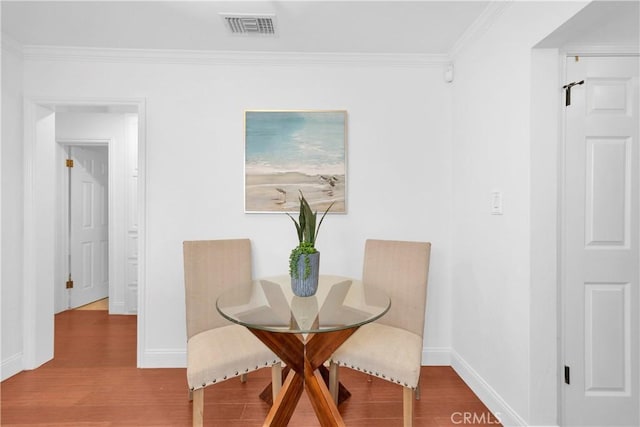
pixel 377 374
pixel 237 373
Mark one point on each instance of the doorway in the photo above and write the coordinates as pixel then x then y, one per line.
pixel 80 131
pixel 46 261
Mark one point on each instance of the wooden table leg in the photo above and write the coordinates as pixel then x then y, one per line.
pixel 321 400
pixel 286 402
pixel 343 393
pixel 266 395
pixel 305 358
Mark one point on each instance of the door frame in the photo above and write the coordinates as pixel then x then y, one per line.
pixel 563 55
pixel 62 224
pixel 38 255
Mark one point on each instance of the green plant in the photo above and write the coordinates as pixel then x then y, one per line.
pixel 307 234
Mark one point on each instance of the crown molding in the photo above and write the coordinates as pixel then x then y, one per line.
pixel 480 26
pixel 601 50
pixel 11 45
pixel 197 57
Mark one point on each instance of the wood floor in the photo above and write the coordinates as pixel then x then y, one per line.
pixel 93 381
pixel 101 304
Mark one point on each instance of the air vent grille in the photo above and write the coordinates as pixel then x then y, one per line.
pixel 250 24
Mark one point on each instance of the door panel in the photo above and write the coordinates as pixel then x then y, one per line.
pixel 608 191
pixel 606 339
pixel 600 257
pixel 89 230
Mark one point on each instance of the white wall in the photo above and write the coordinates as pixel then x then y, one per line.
pixel 12 212
pixel 399 167
pixel 82 128
pixel 497 345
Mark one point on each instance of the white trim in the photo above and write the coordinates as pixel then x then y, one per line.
pixel 142 229
pixel 11 366
pixel 164 358
pixel 601 50
pixel 204 57
pixel 479 27
pixel 561 249
pixel 9 44
pixel 436 356
pixel 496 404
pixel 30 310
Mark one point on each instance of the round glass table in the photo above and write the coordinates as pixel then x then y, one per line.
pixel 304 332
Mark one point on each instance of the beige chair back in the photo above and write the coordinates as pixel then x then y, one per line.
pixel 400 269
pixel 211 267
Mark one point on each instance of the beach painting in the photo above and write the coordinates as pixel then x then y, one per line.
pixel 291 151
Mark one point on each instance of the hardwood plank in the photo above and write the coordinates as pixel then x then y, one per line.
pixel 93 382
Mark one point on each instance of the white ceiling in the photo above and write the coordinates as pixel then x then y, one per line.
pixel 394 27
pixel 599 23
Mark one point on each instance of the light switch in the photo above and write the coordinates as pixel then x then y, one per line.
pixel 496 203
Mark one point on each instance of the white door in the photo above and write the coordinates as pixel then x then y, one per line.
pixel 89 225
pixel 600 263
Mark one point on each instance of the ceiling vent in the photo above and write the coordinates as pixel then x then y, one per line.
pixel 250 24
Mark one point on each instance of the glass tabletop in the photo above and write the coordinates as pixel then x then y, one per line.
pixel 269 304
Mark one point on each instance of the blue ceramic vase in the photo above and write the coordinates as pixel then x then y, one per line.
pixel 306 287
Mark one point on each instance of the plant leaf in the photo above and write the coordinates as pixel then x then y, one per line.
pixel 310 220
pixel 322 219
pixel 303 222
pixel 298 228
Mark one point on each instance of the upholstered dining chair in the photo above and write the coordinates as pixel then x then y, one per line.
pixel 218 350
pixel 391 347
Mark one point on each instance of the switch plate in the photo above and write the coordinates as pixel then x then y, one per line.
pixel 496 203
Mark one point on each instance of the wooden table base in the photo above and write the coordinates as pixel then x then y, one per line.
pixel 304 358
pixel 343 394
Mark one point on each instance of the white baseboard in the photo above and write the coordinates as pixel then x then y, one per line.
pixel 11 366
pixel 117 307
pixel 436 356
pixel 492 400
pixel 164 358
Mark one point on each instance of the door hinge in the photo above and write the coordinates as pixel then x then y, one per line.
pixel 567 91
pixel 567 375
pixel 69 283
pixel 69 163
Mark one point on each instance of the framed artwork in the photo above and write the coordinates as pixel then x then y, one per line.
pixel 291 151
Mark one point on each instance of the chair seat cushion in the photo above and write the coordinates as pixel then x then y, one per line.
pixel 386 352
pixel 222 353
